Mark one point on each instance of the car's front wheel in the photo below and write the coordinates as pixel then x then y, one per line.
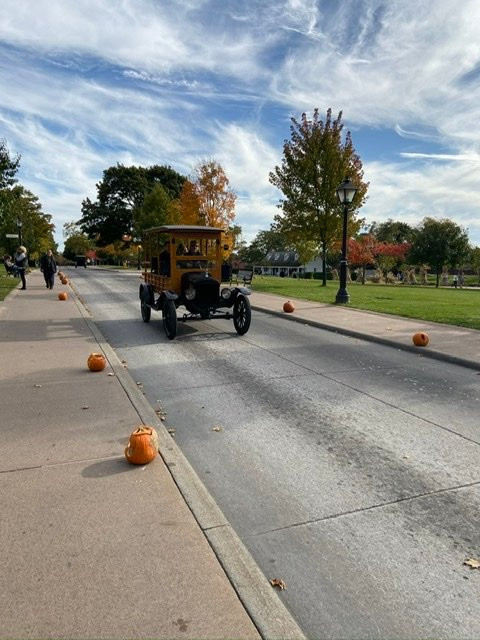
pixel 169 313
pixel 242 314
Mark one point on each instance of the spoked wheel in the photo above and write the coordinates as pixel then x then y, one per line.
pixel 242 314
pixel 145 309
pixel 169 312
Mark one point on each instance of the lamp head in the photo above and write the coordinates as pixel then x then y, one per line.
pixel 346 191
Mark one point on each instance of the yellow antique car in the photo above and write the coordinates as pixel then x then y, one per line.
pixel 182 267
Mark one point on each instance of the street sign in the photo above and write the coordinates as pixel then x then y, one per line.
pixel 11 235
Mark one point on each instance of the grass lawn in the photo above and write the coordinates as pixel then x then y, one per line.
pixel 451 306
pixel 6 283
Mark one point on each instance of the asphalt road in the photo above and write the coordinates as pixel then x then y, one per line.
pixel 349 469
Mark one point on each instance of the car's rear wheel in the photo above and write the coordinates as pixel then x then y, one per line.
pixel 169 312
pixel 242 315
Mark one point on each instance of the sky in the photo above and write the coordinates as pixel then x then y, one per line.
pixel 87 84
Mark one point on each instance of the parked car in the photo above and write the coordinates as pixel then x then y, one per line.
pixel 183 268
pixel 80 261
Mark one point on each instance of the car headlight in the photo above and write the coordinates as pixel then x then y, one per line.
pixel 190 293
pixel 226 293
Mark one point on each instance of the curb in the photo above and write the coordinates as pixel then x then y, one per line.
pixel 428 353
pixel 262 604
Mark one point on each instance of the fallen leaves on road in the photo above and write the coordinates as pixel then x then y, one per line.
pixel 110 374
pixel 37 386
pixel 278 582
pixel 217 428
pixel 473 563
pixel 171 432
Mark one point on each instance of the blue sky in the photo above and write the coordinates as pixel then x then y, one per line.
pixel 85 84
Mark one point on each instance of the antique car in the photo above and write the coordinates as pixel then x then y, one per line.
pixel 182 268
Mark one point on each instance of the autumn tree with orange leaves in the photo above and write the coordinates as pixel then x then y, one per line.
pixel 361 252
pixel 207 198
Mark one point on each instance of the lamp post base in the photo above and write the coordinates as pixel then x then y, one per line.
pixel 342 297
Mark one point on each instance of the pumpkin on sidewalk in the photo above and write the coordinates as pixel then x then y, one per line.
pixel 289 307
pixel 96 362
pixel 420 339
pixel 63 295
pixel 142 446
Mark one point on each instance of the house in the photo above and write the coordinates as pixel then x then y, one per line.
pixel 287 263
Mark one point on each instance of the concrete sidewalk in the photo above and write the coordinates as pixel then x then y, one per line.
pixel 447 342
pixel 93 547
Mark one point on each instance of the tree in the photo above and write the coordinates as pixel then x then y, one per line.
pixel 8 166
pixel 189 204
pixel 475 261
pixel 156 210
pixel 388 255
pixel 392 232
pixel 120 197
pixel 315 161
pixel 37 227
pixel 76 245
pixel 438 243
pixel 362 252
pixel 216 200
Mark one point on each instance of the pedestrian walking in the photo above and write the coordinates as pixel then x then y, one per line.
pixel 48 267
pixel 21 264
pixel 455 281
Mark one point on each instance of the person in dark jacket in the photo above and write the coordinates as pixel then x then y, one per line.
pixel 48 266
pixel 21 264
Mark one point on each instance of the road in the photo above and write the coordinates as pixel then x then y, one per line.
pixel 349 469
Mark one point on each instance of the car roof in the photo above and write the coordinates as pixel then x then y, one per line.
pixel 184 228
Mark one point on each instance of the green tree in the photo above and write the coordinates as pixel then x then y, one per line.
pixel 76 245
pixel 154 211
pixel 120 197
pixel 392 232
pixel 315 161
pixel 438 243
pixel 37 227
pixel 475 260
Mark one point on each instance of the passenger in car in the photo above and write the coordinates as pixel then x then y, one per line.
pixel 193 249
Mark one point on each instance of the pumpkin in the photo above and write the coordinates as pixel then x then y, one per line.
pixel 64 280
pixel 420 339
pixel 61 274
pixel 63 295
pixel 142 446
pixel 288 307
pixel 96 362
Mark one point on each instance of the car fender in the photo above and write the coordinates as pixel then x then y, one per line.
pixel 244 290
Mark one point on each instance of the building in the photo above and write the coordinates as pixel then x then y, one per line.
pixel 287 263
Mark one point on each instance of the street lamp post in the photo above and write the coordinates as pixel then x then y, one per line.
pixel 19 228
pixel 345 192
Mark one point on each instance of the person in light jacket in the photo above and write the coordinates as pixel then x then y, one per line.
pixel 21 263
pixel 48 266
